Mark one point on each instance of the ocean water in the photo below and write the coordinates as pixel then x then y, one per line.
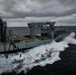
pixel 26 30
pixel 56 58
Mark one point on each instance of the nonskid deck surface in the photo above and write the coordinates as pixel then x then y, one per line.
pixel 27 38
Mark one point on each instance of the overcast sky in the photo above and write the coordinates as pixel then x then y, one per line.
pixel 19 12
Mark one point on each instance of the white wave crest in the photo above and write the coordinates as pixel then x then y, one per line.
pixel 41 55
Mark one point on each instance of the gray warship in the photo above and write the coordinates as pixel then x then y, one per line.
pixel 12 43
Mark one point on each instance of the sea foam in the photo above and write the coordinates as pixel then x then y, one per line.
pixel 41 55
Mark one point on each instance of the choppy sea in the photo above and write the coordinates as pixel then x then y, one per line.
pixel 56 58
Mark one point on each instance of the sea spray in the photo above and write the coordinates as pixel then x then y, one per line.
pixel 41 55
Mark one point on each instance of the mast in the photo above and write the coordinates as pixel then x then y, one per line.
pixel 51 30
pixel 32 32
pixel 2 31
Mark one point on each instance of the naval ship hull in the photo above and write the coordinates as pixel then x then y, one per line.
pixel 12 43
pixel 23 45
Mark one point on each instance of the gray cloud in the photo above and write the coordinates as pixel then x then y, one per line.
pixel 65 20
pixel 68 2
pixel 57 9
pixel 24 8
